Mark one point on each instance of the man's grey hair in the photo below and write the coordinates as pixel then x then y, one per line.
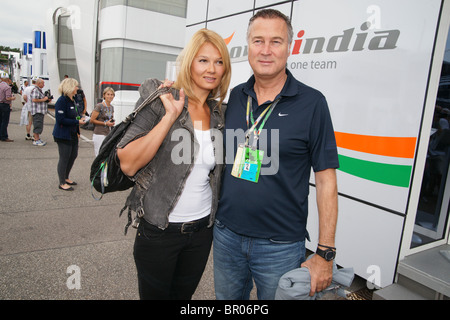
pixel 272 14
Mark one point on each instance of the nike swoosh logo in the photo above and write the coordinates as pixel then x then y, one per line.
pixel 282 114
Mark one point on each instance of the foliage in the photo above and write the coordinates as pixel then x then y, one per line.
pixel 3 48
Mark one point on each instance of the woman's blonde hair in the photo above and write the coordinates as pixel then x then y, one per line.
pixel 185 59
pixel 107 89
pixel 67 87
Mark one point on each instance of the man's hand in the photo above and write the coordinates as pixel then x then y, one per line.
pixel 321 272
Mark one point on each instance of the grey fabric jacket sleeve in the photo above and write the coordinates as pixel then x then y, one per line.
pixel 147 118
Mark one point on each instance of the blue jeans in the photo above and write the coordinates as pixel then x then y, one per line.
pixel 238 260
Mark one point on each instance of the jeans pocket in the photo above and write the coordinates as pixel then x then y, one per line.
pixel 281 241
pixel 149 232
pixel 218 224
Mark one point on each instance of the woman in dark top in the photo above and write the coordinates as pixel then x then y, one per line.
pixel 66 131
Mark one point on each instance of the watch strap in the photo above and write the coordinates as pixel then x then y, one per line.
pixel 328 254
pixel 324 246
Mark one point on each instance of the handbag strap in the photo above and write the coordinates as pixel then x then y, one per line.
pixel 103 169
pixel 147 101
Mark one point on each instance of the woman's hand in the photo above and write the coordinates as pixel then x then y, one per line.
pixel 167 83
pixel 173 107
pixel 109 123
pixel 136 154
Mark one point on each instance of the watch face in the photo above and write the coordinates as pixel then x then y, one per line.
pixel 330 255
pixel 327 254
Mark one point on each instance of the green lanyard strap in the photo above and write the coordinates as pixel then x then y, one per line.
pixel 249 117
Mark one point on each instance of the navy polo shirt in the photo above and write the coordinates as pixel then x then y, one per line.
pixel 297 136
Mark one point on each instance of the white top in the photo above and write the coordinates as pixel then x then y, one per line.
pixel 195 201
pixel 27 92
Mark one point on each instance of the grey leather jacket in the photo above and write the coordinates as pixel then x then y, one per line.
pixel 159 184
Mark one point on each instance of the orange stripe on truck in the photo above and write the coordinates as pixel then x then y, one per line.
pixel 401 147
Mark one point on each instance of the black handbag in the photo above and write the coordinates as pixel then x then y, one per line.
pixel 106 175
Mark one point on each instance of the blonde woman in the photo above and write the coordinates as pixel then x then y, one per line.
pixel 177 191
pixel 66 132
pixel 103 118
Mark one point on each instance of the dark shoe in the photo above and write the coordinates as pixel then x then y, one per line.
pixel 66 189
pixel 8 140
pixel 73 183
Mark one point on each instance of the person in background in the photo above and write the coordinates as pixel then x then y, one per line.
pixel 103 118
pixel 80 102
pixel 66 132
pixel 22 90
pixel 39 105
pixel 178 199
pixel 26 97
pixel 25 117
pixel 6 97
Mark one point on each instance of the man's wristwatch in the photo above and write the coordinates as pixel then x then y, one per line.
pixel 328 254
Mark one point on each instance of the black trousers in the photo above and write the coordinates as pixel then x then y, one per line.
pixel 170 262
pixel 5 111
pixel 68 152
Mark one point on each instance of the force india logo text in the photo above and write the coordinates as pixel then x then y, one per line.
pixel 350 39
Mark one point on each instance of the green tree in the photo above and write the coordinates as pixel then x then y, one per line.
pixel 3 48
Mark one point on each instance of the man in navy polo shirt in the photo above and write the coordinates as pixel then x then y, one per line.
pixel 260 226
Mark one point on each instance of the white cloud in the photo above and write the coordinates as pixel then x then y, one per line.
pixel 19 18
